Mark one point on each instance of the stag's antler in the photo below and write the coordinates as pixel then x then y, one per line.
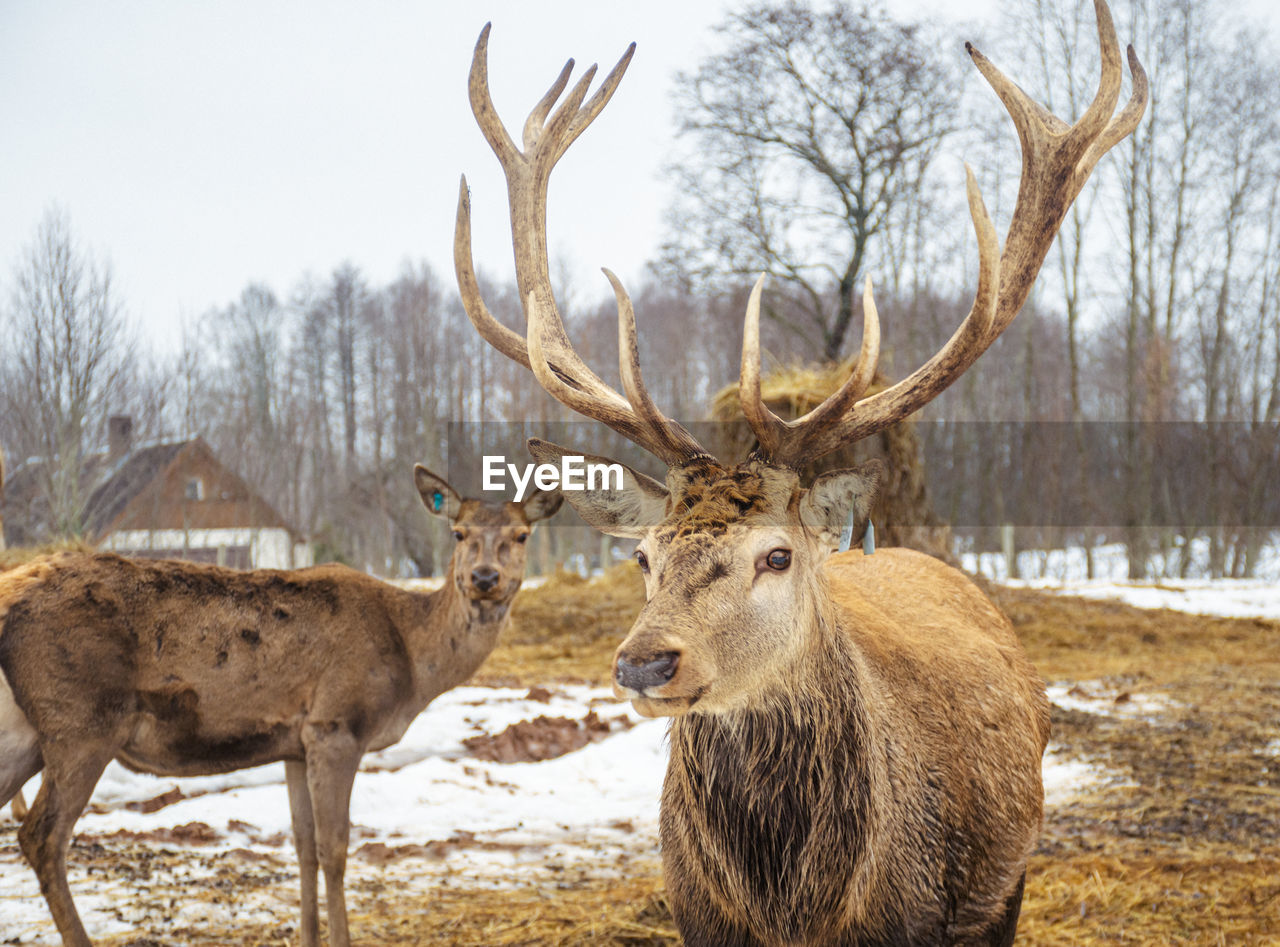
pixel 1057 159
pixel 546 348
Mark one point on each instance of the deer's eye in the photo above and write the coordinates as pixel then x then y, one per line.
pixel 457 534
pixel 522 538
pixel 643 560
pixel 778 560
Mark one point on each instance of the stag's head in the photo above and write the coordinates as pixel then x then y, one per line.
pixel 732 562
pixel 492 537
pixel 732 554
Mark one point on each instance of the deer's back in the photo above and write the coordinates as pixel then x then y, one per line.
pixel 206 668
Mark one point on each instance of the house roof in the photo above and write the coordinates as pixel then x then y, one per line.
pixel 131 476
pixel 144 490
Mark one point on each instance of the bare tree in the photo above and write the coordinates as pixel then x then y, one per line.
pixel 66 356
pixel 804 136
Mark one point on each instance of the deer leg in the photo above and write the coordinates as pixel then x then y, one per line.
pixel 19 761
pixel 304 841
pixel 19 751
pixel 70 773
pixel 333 755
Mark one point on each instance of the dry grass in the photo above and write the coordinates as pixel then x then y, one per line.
pixel 16 556
pixel 630 913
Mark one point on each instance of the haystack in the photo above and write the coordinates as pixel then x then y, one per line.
pixel 902 515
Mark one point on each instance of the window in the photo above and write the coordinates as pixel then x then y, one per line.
pixel 195 489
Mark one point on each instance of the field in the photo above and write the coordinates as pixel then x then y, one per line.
pixel 1162 826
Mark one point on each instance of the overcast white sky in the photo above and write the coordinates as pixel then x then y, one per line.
pixel 202 145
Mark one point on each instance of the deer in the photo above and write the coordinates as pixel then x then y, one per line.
pixel 18 804
pixel 182 669
pixel 855 740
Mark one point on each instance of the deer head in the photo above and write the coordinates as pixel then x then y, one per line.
pixel 737 605
pixel 488 563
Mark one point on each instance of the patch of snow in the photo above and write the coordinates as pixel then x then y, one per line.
pixel 1110 562
pixel 1224 598
pixel 1065 779
pixel 1107 699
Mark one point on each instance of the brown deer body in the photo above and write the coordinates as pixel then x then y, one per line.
pixel 181 669
pixel 884 790
pixel 856 742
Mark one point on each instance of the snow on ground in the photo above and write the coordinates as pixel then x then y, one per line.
pixel 491 822
pixel 1107 700
pixel 1063 571
pixel 1110 562
pixel 1226 598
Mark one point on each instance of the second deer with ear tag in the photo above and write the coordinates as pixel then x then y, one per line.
pixel 181 669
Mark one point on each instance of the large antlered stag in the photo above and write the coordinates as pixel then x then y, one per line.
pixel 182 669
pixel 856 740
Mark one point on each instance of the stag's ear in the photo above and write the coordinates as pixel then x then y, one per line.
pixel 826 505
pixel 440 498
pixel 541 504
pixel 627 510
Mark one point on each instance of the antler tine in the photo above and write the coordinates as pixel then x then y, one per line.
pixel 678 443
pixel 482 103
pixel 971 339
pixel 779 438
pixel 546 349
pixel 1120 127
pixel 509 343
pixel 769 429
pixel 563 116
pixel 838 404
pixel 533 124
pixel 1098 115
pixel 587 114
pixel 1057 159
pixel 824 429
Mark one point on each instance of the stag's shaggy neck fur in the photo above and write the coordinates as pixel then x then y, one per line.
pixel 756 802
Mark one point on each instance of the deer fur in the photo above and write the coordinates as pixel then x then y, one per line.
pixel 856 740
pixel 181 669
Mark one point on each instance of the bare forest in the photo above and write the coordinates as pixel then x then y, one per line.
pixel 1136 400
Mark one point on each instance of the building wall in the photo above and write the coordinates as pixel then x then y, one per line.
pixel 269 548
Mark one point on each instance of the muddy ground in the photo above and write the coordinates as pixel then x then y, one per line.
pixel 1178 844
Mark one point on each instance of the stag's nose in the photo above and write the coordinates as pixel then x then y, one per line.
pixel 484 577
pixel 642 675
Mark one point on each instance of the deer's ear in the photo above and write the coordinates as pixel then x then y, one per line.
pixel 826 505
pixel 623 502
pixel 439 498
pixel 541 504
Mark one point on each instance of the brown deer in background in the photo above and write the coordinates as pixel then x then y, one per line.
pixel 181 669
pixel 856 740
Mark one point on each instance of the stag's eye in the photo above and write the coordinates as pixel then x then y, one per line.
pixel 778 560
pixel 643 560
pixel 522 538
pixel 457 534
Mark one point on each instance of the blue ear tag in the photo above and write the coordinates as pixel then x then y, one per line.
pixel 846 534
pixel 868 538
pixel 437 499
